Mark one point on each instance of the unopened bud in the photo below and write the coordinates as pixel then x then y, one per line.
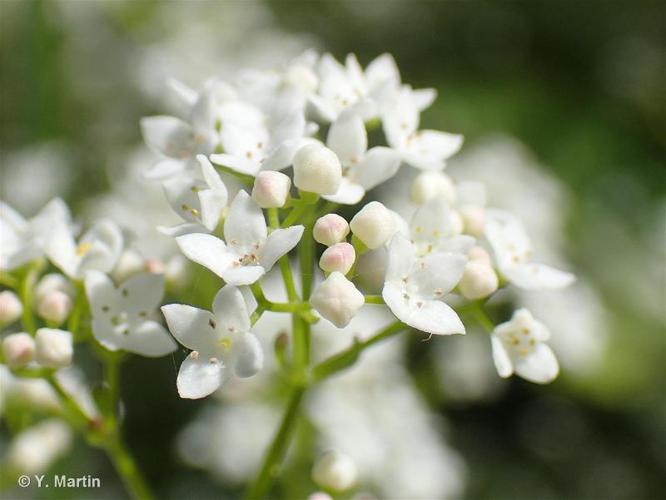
pixel 457 224
pixel 339 257
pixel 478 281
pixel 54 307
pixel 130 263
pixel 473 220
pixel 431 185
pixel 337 299
pixel 10 308
pixel 479 253
pixel 53 348
pixel 51 282
pixel 33 450
pixel 373 225
pixel 154 266
pixel 271 189
pixel 335 471
pixel 330 229
pixel 317 169
pixel 18 349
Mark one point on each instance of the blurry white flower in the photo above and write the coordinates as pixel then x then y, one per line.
pixel 470 204
pixel 339 257
pixel 519 346
pixel 129 263
pixel 337 299
pixel 513 254
pixel 414 287
pixel 221 343
pixel 121 315
pixel 374 225
pixel 317 169
pixel 271 189
pixel 433 228
pixel 24 240
pixel 33 450
pixel 362 169
pixel 53 348
pixel 430 185
pixel 249 251
pixel 18 349
pixel 423 149
pixel 10 308
pixel 330 229
pixel 52 282
pixel 98 249
pixel 334 471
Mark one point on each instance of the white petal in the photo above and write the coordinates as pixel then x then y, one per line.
pixel 349 193
pixel 437 273
pixel 279 243
pixel 471 193
pixel 245 225
pixel 142 292
pixel 533 276
pixel 164 169
pixel 211 176
pixel 401 258
pixel 207 250
pixel 430 316
pixel 181 229
pixel 507 237
pixel 539 366
pixel 501 358
pixel 149 339
pixel 106 244
pixel 249 357
pixel 230 309
pixel 61 249
pixel 377 166
pixel 238 164
pixel 212 205
pixel 186 95
pixel 181 193
pixel 250 300
pixel 382 69
pixel 423 98
pixel 289 128
pixel 198 377
pixel 347 137
pixel 195 328
pixel 428 149
pixel 432 220
pixel 167 135
pixel 243 275
pixel 101 293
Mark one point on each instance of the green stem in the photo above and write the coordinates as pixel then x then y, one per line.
pixel 245 178
pixel 296 213
pixel 8 281
pixel 127 469
pixel 74 322
pixel 285 268
pixel 483 319
pixel 290 307
pixel 27 286
pixel 374 299
pixel 271 463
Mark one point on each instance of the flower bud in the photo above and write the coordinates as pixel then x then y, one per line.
pixel 339 257
pixel 473 220
pixel 51 282
pixel 33 450
pixel 337 299
pixel 18 349
pixel 478 253
pixel 271 189
pixel 373 225
pixel 478 281
pixel 299 75
pixel 54 307
pixel 330 229
pixel 10 308
pixel 53 348
pixel 155 266
pixel 457 224
pixel 317 169
pixel 430 185
pixel 130 263
pixel 334 471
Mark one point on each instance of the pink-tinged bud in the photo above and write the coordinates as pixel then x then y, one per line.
pixel 337 299
pixel 317 169
pixel 474 219
pixel 10 308
pixel 51 282
pixel 430 185
pixel 339 257
pixel 271 189
pixel 374 225
pixel 335 471
pixel 330 229
pixel 54 348
pixel 478 281
pixel 478 253
pixel 18 349
pixel 54 307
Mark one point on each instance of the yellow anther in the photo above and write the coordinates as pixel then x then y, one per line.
pixel 83 249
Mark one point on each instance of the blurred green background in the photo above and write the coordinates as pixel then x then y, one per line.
pixel 579 83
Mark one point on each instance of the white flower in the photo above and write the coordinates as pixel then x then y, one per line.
pixel 99 249
pixel 24 240
pixel 337 299
pixel 249 251
pixel 121 314
pixel 414 288
pixel 471 205
pixel 221 342
pixel 374 225
pixel 271 189
pixel 330 229
pixel 513 254
pixel 200 201
pixel 53 348
pixel 423 149
pixel 18 349
pixel 362 169
pixel 519 346
pixel 339 257
pixel 429 185
pixel 335 471
pixel 433 228
pixel 10 308
pixel 317 169
pixel 33 450
pixel 478 281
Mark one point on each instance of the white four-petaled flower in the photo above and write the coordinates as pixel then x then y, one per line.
pixel 221 342
pixel 121 315
pixel 249 251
